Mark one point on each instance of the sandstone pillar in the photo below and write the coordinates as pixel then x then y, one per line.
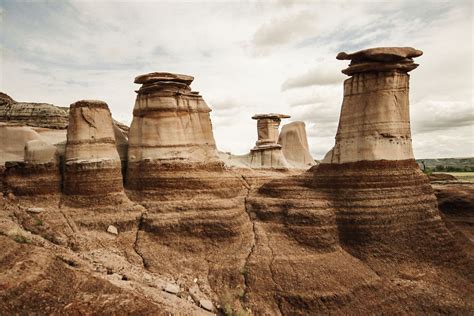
pixel 171 125
pixel 375 120
pixel 92 163
pixel 267 153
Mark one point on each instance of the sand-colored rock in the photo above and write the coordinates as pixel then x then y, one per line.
pixel 375 119
pixel 294 144
pixel 50 122
pixel 92 163
pixel 170 124
pixel 38 151
pixel 13 139
pixel 267 152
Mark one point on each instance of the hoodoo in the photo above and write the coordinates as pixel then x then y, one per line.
pixel 267 153
pixel 294 144
pixel 367 206
pixel 92 163
pixel 171 124
pixel 375 119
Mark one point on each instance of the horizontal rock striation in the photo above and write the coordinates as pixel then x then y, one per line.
pixel 92 163
pixel 32 114
pixel 170 121
pixel 27 179
pixel 366 207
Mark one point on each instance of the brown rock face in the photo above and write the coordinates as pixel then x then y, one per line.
pixel 32 114
pixel 366 207
pixel 170 123
pixel 92 163
pixel 29 179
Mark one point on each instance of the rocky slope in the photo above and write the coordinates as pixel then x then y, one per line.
pixel 359 233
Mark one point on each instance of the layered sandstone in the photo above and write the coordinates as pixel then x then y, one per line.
pixel 92 163
pixel 375 120
pixel 31 163
pixel 32 114
pixel 170 123
pixel 367 206
pixel 294 144
pixel 50 122
pixel 267 152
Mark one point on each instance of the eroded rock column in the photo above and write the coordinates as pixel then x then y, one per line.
pixel 171 125
pixel 267 153
pixel 92 163
pixel 375 119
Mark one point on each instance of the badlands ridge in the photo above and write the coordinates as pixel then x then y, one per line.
pixel 98 218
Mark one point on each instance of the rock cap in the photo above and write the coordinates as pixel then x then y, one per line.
pixel 381 54
pixel 270 116
pixel 163 76
pixel 380 59
pixel 90 104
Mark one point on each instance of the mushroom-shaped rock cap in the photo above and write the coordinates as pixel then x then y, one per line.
pixel 163 76
pixel 90 104
pixel 381 54
pixel 270 116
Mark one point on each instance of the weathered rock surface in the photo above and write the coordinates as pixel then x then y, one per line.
pixel 32 114
pixel 349 236
pixel 294 144
pixel 12 141
pixel 170 124
pixel 92 163
pixel 50 122
pixel 267 152
pixel 38 151
pixel 375 121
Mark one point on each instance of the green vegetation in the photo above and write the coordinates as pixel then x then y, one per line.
pixel 230 304
pixel 38 222
pixel 21 239
pixel 446 165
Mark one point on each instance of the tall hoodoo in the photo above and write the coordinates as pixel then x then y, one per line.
pixel 267 153
pixel 170 121
pixel 375 121
pixel 171 124
pixel 92 163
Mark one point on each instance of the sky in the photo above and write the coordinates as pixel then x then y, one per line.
pixel 247 57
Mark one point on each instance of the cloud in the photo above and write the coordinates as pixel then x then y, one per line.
pixel 437 116
pixel 314 77
pixel 281 30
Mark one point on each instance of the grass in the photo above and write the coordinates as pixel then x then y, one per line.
pixel 38 222
pixel 21 239
pixel 462 176
pixel 229 307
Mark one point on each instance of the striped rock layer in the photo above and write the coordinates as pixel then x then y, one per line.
pixel 92 163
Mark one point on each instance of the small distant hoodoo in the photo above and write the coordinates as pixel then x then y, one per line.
pixel 267 153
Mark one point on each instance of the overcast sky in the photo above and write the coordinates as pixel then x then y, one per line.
pixel 247 57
